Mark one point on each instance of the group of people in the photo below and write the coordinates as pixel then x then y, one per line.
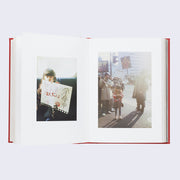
pixel 110 94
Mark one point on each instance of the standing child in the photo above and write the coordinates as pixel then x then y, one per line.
pixel 118 95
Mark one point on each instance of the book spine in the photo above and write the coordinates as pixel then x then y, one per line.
pixel 9 112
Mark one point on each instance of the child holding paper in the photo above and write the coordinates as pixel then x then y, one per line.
pixel 46 113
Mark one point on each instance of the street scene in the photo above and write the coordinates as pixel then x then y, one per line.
pixel 124 92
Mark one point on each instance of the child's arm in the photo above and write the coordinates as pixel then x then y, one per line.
pixel 120 95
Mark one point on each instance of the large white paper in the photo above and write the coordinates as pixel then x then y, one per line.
pixel 56 95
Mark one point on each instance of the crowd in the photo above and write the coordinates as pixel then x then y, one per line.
pixel 110 94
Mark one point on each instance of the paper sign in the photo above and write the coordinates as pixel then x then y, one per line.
pixel 56 95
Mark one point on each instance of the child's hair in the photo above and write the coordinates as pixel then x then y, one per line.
pixel 49 72
pixel 118 88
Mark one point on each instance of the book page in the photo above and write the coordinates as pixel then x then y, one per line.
pixel 126 86
pixel 54 84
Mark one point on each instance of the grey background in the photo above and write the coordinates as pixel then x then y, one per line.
pixel 93 18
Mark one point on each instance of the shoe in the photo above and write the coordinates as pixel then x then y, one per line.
pixel 112 110
pixel 109 112
pixel 47 119
pixel 103 114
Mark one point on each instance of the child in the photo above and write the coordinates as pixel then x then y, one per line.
pixel 118 95
pixel 45 113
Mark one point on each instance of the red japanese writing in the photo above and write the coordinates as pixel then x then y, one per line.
pixel 52 94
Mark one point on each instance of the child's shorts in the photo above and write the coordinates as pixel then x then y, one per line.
pixel 117 104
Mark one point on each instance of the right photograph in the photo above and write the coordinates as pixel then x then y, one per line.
pixel 124 90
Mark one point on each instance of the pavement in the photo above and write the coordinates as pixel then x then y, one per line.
pixel 130 117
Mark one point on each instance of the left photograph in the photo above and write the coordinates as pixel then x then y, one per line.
pixel 56 89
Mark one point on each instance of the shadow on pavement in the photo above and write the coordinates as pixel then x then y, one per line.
pixel 127 122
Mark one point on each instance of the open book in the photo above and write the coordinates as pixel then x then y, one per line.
pixel 82 90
